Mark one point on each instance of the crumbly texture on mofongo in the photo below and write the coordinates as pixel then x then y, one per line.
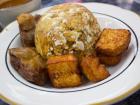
pixel 66 29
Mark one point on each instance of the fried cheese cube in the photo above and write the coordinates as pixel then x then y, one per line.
pixel 93 70
pixel 29 64
pixel 26 21
pixel 113 42
pixel 63 71
pixel 110 60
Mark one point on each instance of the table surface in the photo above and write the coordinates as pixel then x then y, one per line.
pixel 127 4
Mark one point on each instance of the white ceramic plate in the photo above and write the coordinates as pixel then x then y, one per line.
pixel 125 78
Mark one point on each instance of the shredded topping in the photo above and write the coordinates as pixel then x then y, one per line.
pixel 68 28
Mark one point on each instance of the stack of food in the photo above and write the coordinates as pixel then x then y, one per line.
pixel 66 39
pixel 27 27
pixel 112 44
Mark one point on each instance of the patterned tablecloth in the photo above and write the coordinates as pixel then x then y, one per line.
pixel 127 4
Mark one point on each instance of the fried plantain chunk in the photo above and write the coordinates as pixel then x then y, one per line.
pixel 26 21
pixel 29 64
pixel 27 38
pixel 27 29
pixel 93 70
pixel 110 60
pixel 63 71
pixel 113 42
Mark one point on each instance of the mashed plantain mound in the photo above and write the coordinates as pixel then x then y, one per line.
pixel 66 29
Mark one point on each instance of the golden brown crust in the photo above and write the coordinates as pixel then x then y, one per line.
pixel 63 72
pixel 64 58
pixel 86 67
pixel 110 60
pixel 27 28
pixel 102 73
pixel 26 21
pixel 113 42
pixel 93 70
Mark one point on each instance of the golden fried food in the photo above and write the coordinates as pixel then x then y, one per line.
pixel 27 38
pixel 113 42
pixel 27 29
pixel 110 60
pixel 102 73
pixel 66 29
pixel 26 21
pixel 63 71
pixel 93 70
pixel 29 64
pixel 67 37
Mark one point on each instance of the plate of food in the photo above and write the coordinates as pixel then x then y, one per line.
pixel 70 54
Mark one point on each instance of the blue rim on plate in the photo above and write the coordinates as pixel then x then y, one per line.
pixel 137 45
